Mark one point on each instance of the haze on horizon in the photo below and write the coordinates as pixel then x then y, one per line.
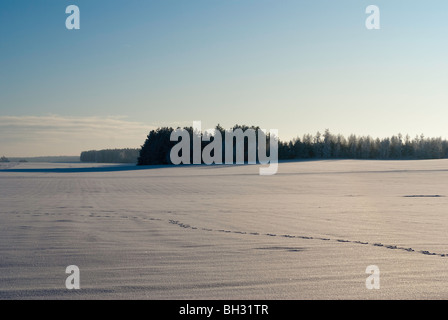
pixel 296 66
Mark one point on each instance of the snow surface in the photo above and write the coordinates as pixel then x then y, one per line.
pixel 225 232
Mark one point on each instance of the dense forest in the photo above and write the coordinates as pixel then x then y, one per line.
pixel 329 146
pixel 156 149
pixel 110 156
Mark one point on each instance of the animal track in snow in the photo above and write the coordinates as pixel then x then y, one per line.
pixel 376 244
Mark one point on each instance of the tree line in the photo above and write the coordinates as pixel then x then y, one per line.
pixel 110 156
pixel 157 146
pixel 330 146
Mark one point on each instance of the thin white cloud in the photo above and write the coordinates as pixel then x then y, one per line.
pixel 61 135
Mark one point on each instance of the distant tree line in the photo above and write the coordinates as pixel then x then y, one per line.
pixel 158 145
pixel 330 146
pixel 53 159
pixel 156 149
pixel 110 156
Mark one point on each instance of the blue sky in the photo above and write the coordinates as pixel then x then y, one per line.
pixel 296 66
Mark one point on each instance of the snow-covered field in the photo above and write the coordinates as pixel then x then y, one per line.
pixel 225 232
